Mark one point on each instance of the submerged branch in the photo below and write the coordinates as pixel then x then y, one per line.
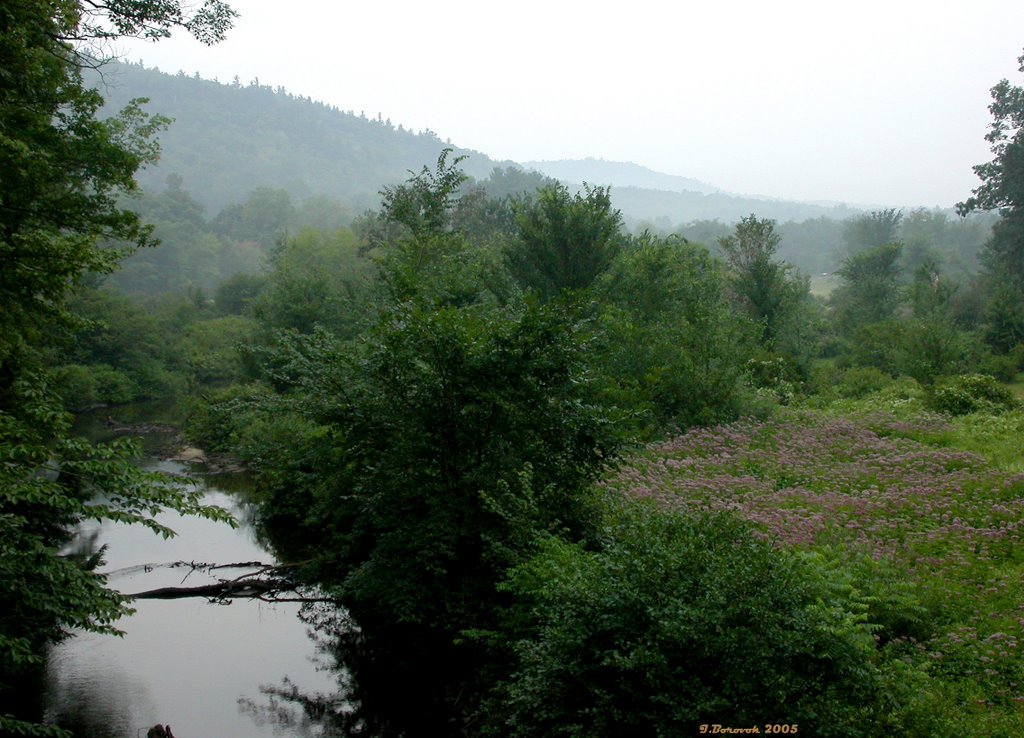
pixel 267 583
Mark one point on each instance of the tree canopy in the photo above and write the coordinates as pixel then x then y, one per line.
pixel 1002 188
pixel 565 241
pixel 63 171
pixel 1002 179
pixel 766 289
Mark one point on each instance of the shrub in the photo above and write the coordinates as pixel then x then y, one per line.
pixel 681 620
pixel 858 382
pixel 773 376
pixel 970 393
pixel 1002 367
pixel 76 386
pixel 211 349
pixel 83 386
pixel 155 381
pixel 1017 354
pixel 113 386
pixel 217 419
pixel 878 345
pixel 930 348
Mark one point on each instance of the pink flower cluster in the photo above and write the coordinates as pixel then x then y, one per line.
pixel 809 480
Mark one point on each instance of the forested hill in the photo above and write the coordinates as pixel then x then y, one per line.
pixel 228 139
pixel 618 173
pixel 662 208
pixel 643 194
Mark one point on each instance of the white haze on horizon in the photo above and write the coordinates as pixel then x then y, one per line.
pixel 869 103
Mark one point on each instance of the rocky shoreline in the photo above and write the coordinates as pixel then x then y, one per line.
pixel 176 448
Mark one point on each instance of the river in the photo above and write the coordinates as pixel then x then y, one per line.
pixel 196 665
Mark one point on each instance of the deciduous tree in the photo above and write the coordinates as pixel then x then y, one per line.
pixel 870 289
pixel 565 241
pixel 1002 188
pixel 63 171
pixel 767 289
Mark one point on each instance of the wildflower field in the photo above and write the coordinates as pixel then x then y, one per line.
pixel 930 536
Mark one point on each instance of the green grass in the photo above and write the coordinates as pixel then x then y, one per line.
pixel 1017 386
pixel 999 438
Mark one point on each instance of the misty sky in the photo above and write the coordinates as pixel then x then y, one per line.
pixel 876 103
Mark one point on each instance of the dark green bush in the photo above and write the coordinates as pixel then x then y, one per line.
pixel 155 381
pixel 77 386
pixel 971 393
pixel 683 620
pixel 83 386
pixel 1003 368
pixel 857 382
pixel 217 419
pixel 113 386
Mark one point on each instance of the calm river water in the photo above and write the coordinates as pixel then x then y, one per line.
pixel 196 665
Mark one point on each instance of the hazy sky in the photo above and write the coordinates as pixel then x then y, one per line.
pixel 878 103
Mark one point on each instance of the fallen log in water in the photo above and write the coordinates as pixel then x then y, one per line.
pixel 219 590
pixel 268 583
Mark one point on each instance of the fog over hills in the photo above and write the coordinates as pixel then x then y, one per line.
pixel 619 174
pixel 227 139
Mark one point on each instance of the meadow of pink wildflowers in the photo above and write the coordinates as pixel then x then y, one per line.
pixel 947 521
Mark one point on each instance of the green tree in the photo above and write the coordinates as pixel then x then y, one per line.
pixel 768 290
pixel 437 242
pixel 565 241
pixel 1004 317
pixel 932 343
pixel 64 171
pixel 870 290
pixel 316 279
pixel 669 346
pixel 425 203
pixel 514 181
pixel 438 444
pixel 236 294
pixel 264 218
pixel 874 229
pixel 931 292
pixel 1002 179
pixel 422 457
pixel 1002 188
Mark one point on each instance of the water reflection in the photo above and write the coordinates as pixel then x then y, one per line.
pixel 195 665
pixel 395 683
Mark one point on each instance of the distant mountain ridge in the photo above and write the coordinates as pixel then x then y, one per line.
pixel 618 174
pixel 228 139
pixel 643 194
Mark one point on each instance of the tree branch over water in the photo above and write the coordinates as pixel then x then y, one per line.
pixel 269 582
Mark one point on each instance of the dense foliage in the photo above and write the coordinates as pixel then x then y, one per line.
pixel 63 171
pixel 929 535
pixel 434 461
pixel 432 392
pixel 681 621
pixel 1002 188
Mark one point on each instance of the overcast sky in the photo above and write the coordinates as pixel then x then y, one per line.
pixel 876 103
